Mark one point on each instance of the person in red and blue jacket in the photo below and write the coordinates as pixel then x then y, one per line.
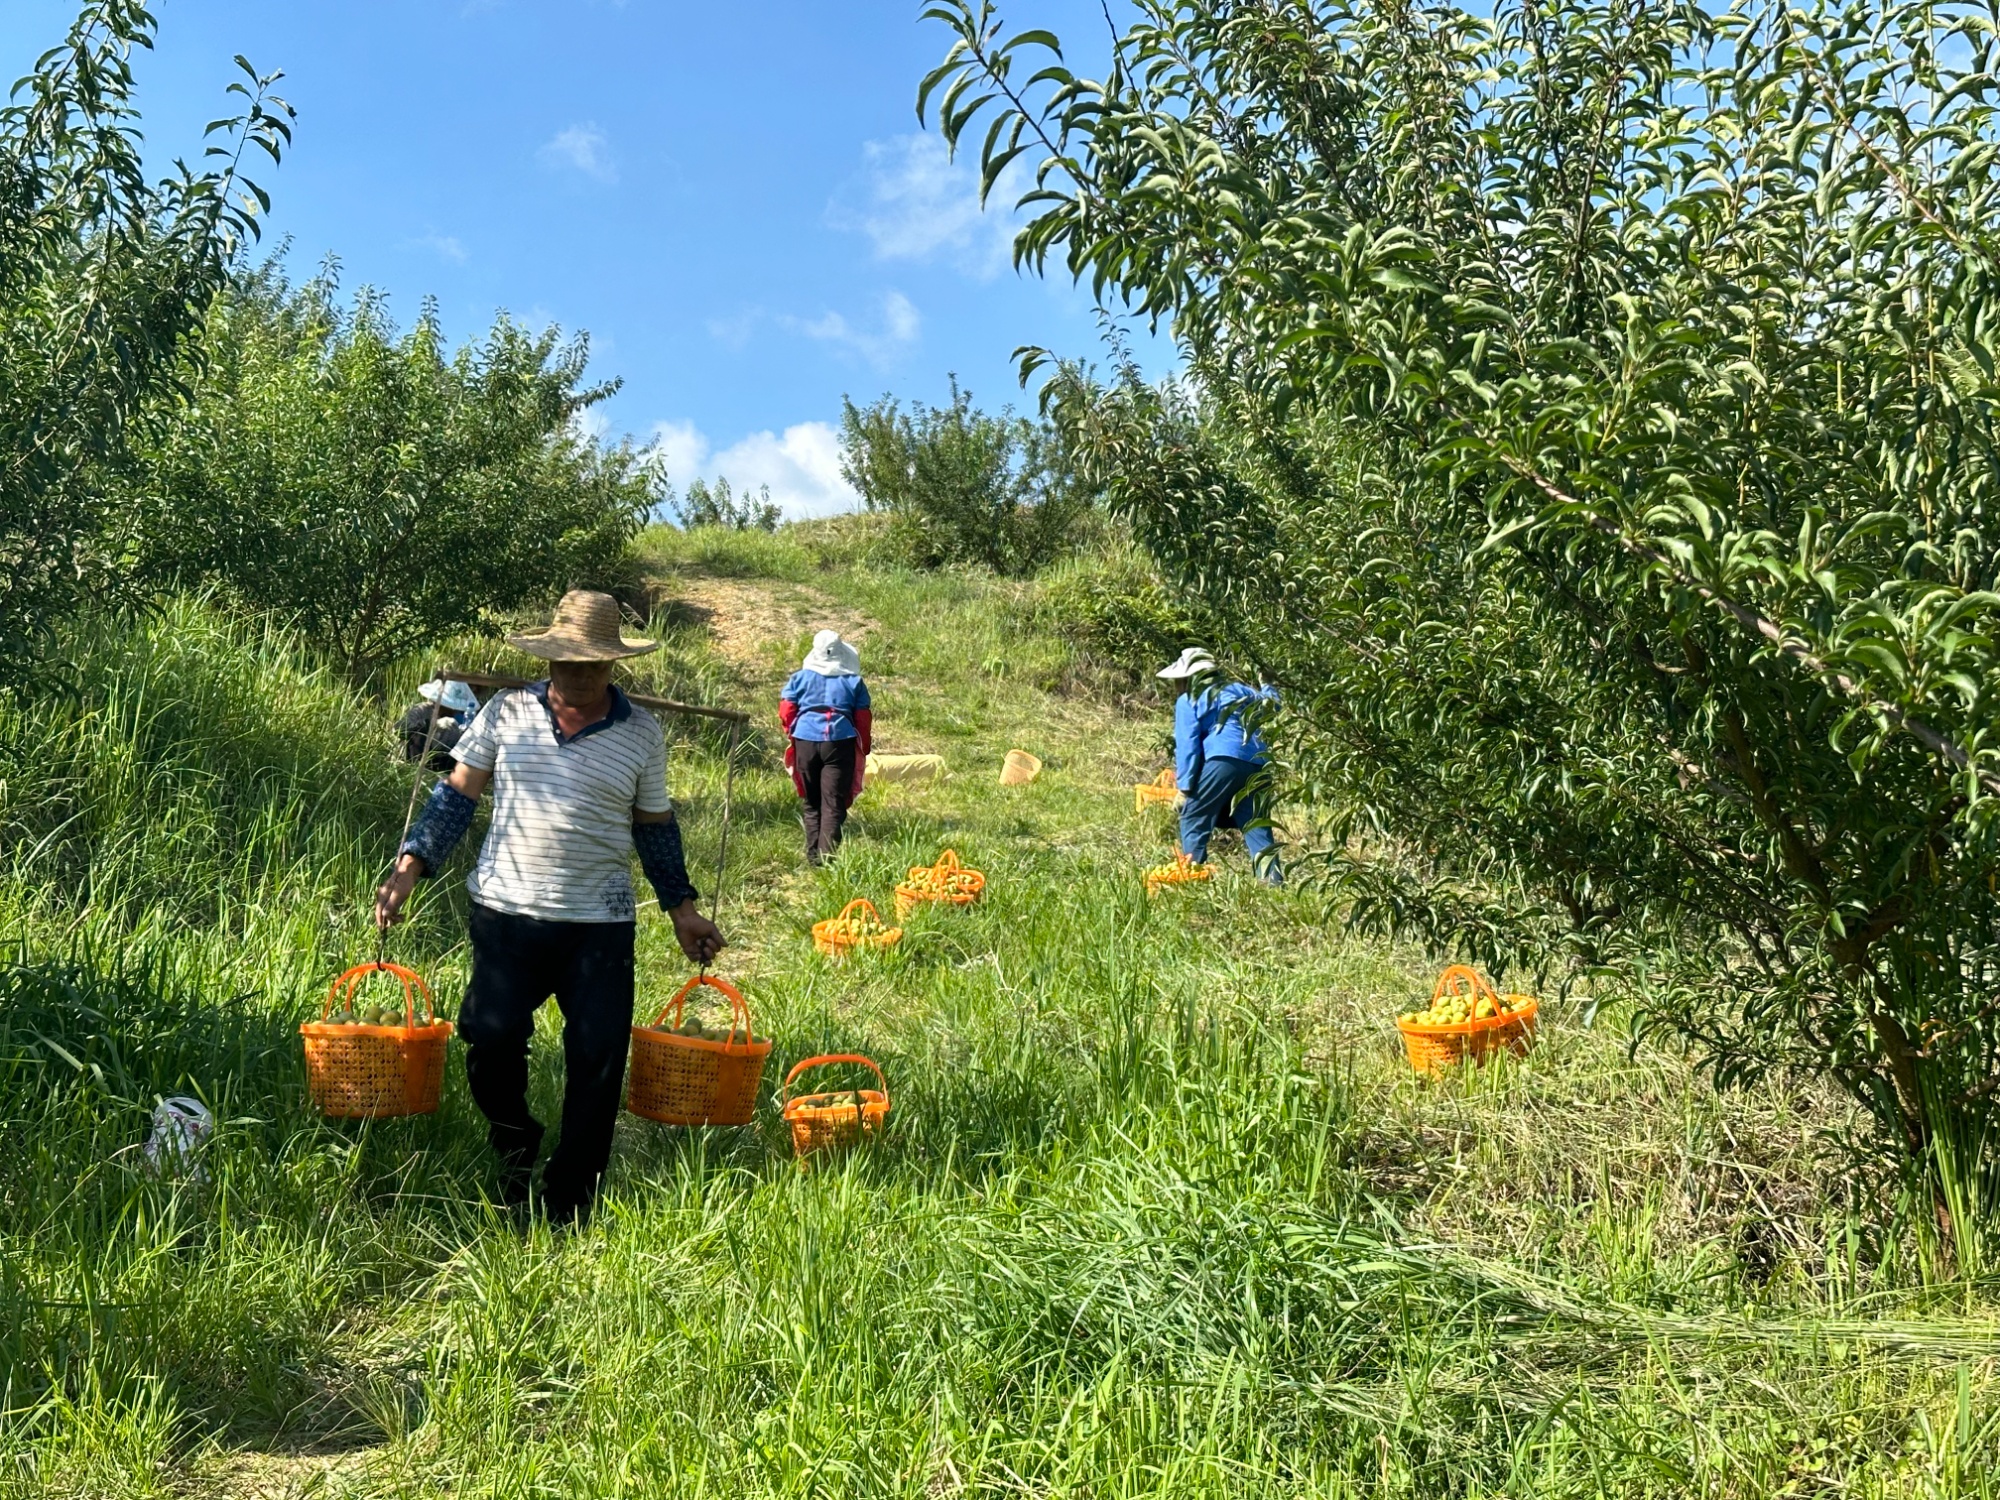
pixel 1218 749
pixel 829 728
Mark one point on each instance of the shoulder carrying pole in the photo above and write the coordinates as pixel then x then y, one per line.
pixel 645 700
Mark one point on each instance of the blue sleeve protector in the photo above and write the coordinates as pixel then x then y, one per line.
pixel 660 856
pixel 439 826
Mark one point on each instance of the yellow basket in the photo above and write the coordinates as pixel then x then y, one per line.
pixel 1433 1048
pixel 1157 792
pixel 366 1072
pixel 1183 871
pixel 696 1080
pixel 947 882
pixel 830 938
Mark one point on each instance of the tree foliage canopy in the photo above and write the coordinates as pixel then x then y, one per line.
pixel 376 488
pixel 104 278
pixel 1592 425
pixel 964 486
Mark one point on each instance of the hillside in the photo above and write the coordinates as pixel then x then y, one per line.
pixel 1161 1209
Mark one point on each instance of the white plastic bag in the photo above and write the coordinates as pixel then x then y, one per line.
pixel 180 1127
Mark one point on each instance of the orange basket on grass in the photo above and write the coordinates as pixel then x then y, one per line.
pixel 1436 1045
pixel 859 926
pixel 947 882
pixel 679 1079
pixel 1183 871
pixel 839 1118
pixel 361 1069
pixel 1160 789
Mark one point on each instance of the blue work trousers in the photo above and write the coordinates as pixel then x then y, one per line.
pixel 1219 800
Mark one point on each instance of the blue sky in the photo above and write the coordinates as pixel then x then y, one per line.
pixel 734 200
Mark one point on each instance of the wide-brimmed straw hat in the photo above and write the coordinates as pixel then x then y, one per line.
pixel 1190 661
pixel 585 629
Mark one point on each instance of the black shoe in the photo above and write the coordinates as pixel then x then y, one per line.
pixel 517 1169
pixel 517 1184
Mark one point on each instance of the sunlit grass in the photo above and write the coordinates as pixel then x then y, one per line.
pixel 1160 1211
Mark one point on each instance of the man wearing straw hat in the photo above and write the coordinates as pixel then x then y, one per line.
pixel 579 778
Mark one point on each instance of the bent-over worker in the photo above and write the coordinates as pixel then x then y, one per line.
pixel 437 720
pixel 1218 749
pixel 829 729
pixel 579 778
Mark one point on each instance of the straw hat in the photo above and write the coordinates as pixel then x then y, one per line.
pixel 585 629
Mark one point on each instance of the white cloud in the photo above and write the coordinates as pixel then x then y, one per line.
pixel 917 204
pixel 898 328
pixel 801 466
pixel 447 247
pixel 734 331
pixel 582 148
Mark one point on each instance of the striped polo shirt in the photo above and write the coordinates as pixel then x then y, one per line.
pixel 559 845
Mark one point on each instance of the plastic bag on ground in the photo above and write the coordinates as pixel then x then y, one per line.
pixel 181 1126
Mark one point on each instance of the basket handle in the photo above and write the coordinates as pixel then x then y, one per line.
pixel 343 988
pixel 739 1008
pixel 785 1089
pixel 862 902
pixel 947 860
pixel 1450 981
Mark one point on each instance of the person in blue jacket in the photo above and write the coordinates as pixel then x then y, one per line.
pixel 1218 747
pixel 829 725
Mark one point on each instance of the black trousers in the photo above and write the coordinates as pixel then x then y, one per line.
pixel 827 769
pixel 517 963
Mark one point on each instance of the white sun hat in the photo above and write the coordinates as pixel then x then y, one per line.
pixel 1189 662
pixel 455 696
pixel 832 657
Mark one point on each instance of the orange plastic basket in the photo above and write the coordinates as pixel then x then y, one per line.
pixel 1160 789
pixel 361 1072
pixel 830 939
pixel 947 883
pixel 1432 1048
pixel 696 1080
pixel 820 1121
pixel 1183 871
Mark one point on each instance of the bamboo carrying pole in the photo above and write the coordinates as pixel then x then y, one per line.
pixel 490 680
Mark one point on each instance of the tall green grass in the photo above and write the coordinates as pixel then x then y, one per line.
pixel 1159 1210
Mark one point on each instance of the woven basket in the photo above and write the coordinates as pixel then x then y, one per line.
pixel 836 944
pixel 1183 871
pixel 373 1072
pixel 910 894
pixel 820 1121
pixel 694 1080
pixel 1433 1048
pixel 1159 791
pixel 1019 768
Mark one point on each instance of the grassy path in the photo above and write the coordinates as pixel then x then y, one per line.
pixel 1161 1211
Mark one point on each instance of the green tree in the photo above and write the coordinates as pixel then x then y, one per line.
pixel 706 504
pixel 963 486
pixel 1592 429
pixel 104 279
pixel 376 489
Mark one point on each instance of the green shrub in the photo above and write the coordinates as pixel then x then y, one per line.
pixel 378 490
pixel 104 273
pixel 964 487
pixel 1117 609
pixel 706 504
